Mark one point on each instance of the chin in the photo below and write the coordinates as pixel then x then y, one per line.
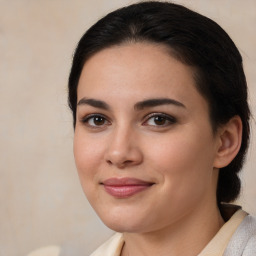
pixel 122 222
pixel 124 227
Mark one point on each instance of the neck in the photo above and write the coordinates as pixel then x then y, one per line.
pixel 186 237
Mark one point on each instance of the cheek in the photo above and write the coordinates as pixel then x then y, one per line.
pixel 183 161
pixel 88 155
pixel 176 151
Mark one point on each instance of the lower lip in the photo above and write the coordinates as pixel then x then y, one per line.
pixel 125 190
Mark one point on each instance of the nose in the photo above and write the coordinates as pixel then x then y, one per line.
pixel 124 149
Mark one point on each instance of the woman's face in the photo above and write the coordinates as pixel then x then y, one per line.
pixel 144 146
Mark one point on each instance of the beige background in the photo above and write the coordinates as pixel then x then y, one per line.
pixel 40 195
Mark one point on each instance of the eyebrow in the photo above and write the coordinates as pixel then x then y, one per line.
pixel 157 102
pixel 94 103
pixel 138 106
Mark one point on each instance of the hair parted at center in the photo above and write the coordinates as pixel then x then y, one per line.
pixel 193 39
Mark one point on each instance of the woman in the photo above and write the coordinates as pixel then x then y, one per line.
pixel 161 121
pixel 159 102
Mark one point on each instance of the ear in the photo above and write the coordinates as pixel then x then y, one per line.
pixel 230 138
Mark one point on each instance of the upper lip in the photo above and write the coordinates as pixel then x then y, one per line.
pixel 125 182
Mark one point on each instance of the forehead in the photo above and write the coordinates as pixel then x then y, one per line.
pixel 137 70
pixel 138 60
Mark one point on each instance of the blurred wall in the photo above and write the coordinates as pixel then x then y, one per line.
pixel 41 199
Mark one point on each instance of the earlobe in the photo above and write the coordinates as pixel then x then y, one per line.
pixel 230 137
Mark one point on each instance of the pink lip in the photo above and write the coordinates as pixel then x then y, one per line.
pixel 125 187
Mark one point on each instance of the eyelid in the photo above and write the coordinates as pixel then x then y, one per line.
pixel 168 117
pixel 86 118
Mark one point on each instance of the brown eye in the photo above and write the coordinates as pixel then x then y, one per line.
pixel 98 120
pixel 161 120
pixel 95 121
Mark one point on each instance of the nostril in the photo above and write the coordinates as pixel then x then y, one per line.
pixel 128 156
pixel 120 164
pixel 109 162
pixel 127 162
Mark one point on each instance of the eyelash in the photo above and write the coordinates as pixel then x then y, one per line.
pixel 87 118
pixel 168 120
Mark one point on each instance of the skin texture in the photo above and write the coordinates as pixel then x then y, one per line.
pixel 180 155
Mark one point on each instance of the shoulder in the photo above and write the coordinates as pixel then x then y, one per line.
pixel 46 251
pixel 250 248
pixel 111 247
pixel 243 241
